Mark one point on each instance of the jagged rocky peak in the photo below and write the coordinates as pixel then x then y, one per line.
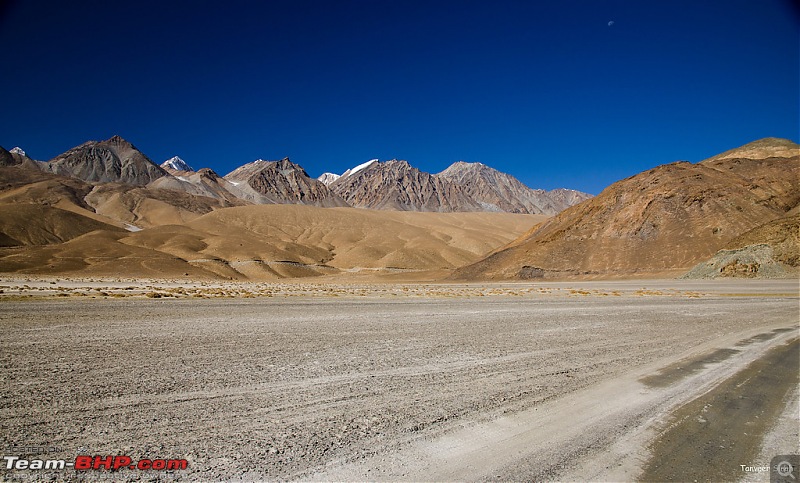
pixel 18 150
pixel 208 173
pixel 177 164
pixel 396 185
pixel 119 142
pixel 113 160
pixel 287 163
pixel 463 166
pixel 284 182
pixel 498 191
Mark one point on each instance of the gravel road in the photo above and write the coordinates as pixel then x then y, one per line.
pixel 540 384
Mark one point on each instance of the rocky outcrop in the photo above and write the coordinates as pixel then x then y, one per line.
pixel 113 160
pixel 771 250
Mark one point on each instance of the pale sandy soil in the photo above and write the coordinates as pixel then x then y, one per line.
pixel 374 381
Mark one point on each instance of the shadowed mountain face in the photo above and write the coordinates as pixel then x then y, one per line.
pixel 664 220
pixel 17 157
pixel 396 185
pixel 284 182
pixel 114 160
pixel 6 158
pixel 497 191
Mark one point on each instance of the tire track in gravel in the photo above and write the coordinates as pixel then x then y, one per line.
pixel 598 433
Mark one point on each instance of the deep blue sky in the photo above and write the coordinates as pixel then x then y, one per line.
pixel 546 91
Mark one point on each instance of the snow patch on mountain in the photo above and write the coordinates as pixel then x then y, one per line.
pixel 363 166
pixel 18 150
pixel 328 178
pixel 358 168
pixel 177 164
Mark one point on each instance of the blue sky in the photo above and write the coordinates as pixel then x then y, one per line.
pixel 546 91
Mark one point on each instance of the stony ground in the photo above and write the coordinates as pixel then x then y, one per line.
pixel 282 386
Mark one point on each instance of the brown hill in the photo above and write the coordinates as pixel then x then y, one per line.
pixel 112 160
pixel 32 224
pixel 662 221
pixel 112 203
pixel 146 207
pixel 23 185
pixel 267 242
pixel 97 253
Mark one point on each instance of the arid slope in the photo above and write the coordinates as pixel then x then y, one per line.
pixel 662 221
pixel 268 242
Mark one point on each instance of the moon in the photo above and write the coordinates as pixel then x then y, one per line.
pixel 610 23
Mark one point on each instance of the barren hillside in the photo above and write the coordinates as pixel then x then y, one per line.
pixel 662 221
pixel 269 242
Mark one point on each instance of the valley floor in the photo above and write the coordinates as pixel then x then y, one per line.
pixel 311 381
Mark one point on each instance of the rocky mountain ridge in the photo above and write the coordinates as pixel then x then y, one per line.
pixel 396 185
pixel 389 185
pixel 498 191
pixel 284 182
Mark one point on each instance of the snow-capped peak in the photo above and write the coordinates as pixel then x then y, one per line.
pixel 328 178
pixel 177 164
pixel 18 150
pixel 358 168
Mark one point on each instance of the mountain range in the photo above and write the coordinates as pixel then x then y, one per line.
pixel 390 185
pixel 104 208
pixel 396 185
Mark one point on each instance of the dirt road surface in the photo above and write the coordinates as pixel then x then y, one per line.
pixel 552 381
